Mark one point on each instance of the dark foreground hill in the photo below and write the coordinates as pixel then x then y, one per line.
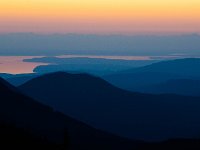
pixel 20 138
pixel 19 129
pixel 23 117
pixel 134 115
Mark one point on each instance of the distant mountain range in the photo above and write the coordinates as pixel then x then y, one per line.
pixel 100 104
pixel 147 77
pixel 186 67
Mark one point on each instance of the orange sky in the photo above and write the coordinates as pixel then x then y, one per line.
pixel 100 16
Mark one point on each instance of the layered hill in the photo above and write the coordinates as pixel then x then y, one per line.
pixel 188 87
pixel 38 120
pixel 157 73
pixel 100 104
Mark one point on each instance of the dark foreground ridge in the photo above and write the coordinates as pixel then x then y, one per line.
pixel 33 121
pixel 103 106
pixel 27 124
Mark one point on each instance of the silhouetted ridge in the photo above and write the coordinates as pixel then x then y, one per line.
pixel 100 104
pixel 6 75
pixel 4 84
pixel 42 121
pixel 81 84
pixel 186 67
pixel 137 79
pixel 25 112
pixel 68 79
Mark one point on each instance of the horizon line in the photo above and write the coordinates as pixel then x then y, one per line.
pixel 105 34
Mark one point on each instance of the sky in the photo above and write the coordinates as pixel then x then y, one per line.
pixel 100 16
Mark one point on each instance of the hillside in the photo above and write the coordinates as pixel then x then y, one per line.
pixel 186 87
pixel 42 121
pixel 100 104
pixel 140 78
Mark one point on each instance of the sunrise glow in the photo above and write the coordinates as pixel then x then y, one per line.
pixel 100 16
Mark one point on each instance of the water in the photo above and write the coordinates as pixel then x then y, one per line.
pixel 15 64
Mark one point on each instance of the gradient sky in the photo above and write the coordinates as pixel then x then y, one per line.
pixel 100 16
